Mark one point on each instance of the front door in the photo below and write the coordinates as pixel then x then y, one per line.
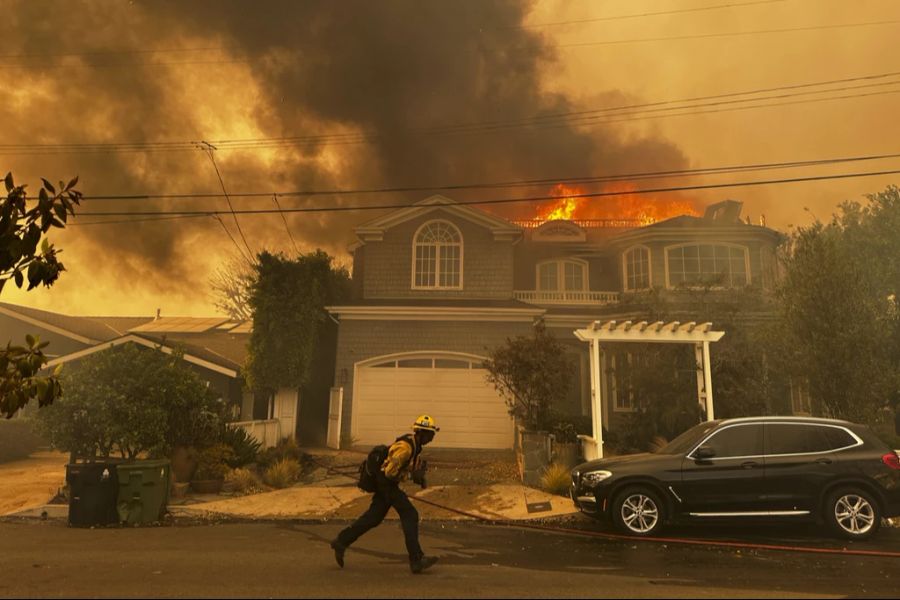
pixel 729 482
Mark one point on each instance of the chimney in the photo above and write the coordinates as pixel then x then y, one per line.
pixel 158 310
pixel 726 212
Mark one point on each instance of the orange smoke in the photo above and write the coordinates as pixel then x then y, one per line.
pixel 643 208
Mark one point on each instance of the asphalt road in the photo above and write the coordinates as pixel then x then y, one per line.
pixel 49 559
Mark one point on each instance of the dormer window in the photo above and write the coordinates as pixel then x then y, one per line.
pixel 437 256
pixel 562 275
pixel 636 263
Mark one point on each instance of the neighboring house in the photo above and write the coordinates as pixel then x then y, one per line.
pixel 215 347
pixel 439 285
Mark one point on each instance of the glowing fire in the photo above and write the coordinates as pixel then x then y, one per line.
pixel 645 209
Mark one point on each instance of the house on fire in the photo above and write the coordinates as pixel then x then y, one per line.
pixel 438 285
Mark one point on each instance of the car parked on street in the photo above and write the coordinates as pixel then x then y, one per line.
pixel 836 472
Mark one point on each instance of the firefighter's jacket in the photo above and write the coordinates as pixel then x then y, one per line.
pixel 402 459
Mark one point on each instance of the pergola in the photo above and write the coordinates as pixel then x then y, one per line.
pixel 674 332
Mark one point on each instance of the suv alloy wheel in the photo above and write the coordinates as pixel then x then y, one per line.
pixel 638 511
pixel 852 513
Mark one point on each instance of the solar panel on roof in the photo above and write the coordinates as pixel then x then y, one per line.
pixel 245 327
pixel 182 324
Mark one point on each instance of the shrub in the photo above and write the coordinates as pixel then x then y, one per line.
pixel 212 463
pixel 533 374
pixel 17 440
pixel 283 473
pixel 132 400
pixel 556 479
pixel 286 448
pixel 243 481
pixel 244 446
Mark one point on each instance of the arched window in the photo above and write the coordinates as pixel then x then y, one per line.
pixel 562 276
pixel 636 265
pixel 724 265
pixel 437 256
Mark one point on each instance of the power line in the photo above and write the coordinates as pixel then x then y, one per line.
pixel 109 52
pixel 127 65
pixel 530 199
pixel 287 228
pixel 558 119
pixel 209 149
pixel 646 14
pixel 581 179
pixel 729 34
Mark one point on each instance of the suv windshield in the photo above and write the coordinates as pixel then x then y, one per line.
pixel 688 439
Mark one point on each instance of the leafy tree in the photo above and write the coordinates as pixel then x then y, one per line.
pixel 132 400
pixel 533 374
pixel 839 317
pixel 662 378
pixel 26 254
pixel 288 299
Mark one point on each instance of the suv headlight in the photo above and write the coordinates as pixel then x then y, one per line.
pixel 592 478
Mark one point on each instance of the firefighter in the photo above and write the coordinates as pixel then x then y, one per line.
pixel 402 462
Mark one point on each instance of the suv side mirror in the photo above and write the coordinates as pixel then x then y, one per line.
pixel 704 453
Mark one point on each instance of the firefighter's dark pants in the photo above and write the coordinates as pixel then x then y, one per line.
pixel 388 495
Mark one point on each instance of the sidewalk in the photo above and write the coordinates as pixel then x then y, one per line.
pixel 479 482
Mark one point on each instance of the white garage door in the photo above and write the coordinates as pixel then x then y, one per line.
pixel 390 395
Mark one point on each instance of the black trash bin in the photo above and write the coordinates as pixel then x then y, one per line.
pixel 93 491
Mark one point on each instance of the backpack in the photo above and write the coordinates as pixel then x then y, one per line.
pixel 369 468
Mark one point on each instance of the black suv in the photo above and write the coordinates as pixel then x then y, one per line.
pixel 773 467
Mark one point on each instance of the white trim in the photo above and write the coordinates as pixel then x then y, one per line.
pixel 437 313
pixel 543 233
pixel 421 354
pixel 746 249
pixel 625 267
pixel 765 454
pixel 47 326
pixel 501 228
pixel 143 342
pixel 762 513
pixel 673 332
pixel 561 274
pixel 437 257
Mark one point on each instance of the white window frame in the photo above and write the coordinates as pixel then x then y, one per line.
pixel 745 249
pixel 561 274
pixel 437 258
pixel 625 254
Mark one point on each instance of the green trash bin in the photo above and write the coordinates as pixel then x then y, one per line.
pixel 143 491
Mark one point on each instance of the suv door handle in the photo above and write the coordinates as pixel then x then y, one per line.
pixel 752 464
pixel 823 461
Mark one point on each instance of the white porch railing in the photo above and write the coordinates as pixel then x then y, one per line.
pixel 566 297
pixel 267 432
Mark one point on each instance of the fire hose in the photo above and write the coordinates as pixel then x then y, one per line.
pixel 662 540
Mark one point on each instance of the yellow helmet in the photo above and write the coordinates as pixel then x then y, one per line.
pixel 426 423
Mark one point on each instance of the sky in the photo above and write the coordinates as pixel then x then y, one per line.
pixel 324 96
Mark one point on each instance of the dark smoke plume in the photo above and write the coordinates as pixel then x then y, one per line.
pixel 388 69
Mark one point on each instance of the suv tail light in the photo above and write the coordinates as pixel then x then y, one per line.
pixel 891 460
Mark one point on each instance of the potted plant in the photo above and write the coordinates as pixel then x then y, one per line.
pixel 212 467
